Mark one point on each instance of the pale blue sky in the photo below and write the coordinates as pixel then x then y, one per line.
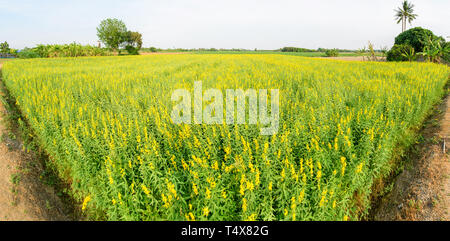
pixel 221 24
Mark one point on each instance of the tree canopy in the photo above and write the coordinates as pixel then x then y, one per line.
pixel 112 33
pixel 405 13
pixel 4 48
pixel 134 39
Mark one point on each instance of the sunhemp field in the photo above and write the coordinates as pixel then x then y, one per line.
pixel 213 113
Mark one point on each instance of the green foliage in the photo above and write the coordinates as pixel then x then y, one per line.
pixel 435 50
pixel 13 51
pixel 113 33
pixel 110 134
pixel 134 40
pixel 332 52
pixel 409 54
pixel 132 50
pixel 295 49
pixel 372 54
pixel 405 13
pixel 112 137
pixel 397 52
pixel 66 50
pixel 27 53
pixel 4 48
pixel 415 37
pixel 446 56
pixel 384 50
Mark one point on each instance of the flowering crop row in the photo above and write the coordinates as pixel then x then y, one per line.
pixel 105 123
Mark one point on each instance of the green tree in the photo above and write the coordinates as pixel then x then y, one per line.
pixel 113 33
pixel 4 48
pixel 435 50
pixel 133 42
pixel 134 39
pixel 416 37
pixel 405 13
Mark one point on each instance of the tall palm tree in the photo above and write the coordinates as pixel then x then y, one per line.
pixel 405 13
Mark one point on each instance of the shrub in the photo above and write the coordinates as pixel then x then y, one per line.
pixel 132 50
pixel 4 48
pixel 435 50
pixel 134 39
pixel 295 49
pixel 415 37
pixel 66 50
pixel 332 53
pixel 397 53
pixel 27 53
pixel 446 56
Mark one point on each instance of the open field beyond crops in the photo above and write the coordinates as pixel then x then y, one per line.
pixel 304 54
pixel 105 124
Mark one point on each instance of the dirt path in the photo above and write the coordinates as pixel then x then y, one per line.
pixel 23 194
pixel 156 53
pixel 422 190
pixel 446 136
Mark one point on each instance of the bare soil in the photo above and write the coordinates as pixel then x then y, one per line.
pixel 156 53
pixel 24 193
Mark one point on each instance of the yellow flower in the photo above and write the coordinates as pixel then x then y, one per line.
pixel 194 188
pixel 242 186
pixel 319 174
pixel 85 202
pixel 224 194
pixel 205 211
pixel 215 166
pixel 344 164
pixel 171 188
pixel 208 193
pixel 293 203
pixel 270 186
pixel 336 147
pixel 251 217
pixel 301 196
pixel 144 188
pixel 244 204
pixel 360 167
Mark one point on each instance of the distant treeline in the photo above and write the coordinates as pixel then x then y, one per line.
pixel 153 49
pixel 303 50
pixel 295 49
pixel 284 49
pixel 78 50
